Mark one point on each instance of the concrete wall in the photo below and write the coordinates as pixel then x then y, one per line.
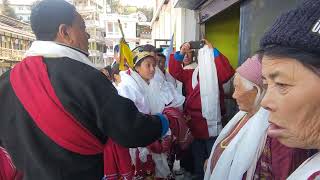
pixel 256 18
pixel 182 22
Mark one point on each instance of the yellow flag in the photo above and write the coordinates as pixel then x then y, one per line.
pixel 126 56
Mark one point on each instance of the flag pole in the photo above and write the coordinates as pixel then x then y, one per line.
pixel 121 30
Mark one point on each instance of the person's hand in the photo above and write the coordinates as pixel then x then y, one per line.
pixel 207 43
pixel 185 48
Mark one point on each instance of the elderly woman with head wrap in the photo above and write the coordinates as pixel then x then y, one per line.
pixel 243 150
pixel 291 71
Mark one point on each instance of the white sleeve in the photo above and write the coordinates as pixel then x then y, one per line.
pixel 135 96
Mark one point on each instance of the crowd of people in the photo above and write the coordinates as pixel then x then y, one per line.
pixel 162 116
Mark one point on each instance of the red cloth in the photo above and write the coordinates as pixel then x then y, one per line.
pixel 278 161
pixel 32 86
pixel 179 127
pixel 7 170
pixel 314 176
pixel 198 124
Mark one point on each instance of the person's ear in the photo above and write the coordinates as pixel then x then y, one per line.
pixel 64 34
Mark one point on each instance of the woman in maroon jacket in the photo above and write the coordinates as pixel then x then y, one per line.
pixel 203 139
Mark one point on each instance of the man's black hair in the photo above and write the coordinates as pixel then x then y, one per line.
pixel 116 48
pixel 48 15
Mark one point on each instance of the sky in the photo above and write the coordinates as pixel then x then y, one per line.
pixel 139 3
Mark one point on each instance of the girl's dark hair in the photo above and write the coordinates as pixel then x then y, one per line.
pixel 149 48
pixel 161 55
pixel 114 70
pixel 108 68
pixel 309 60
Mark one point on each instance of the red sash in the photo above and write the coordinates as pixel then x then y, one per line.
pixel 32 86
pixel 7 170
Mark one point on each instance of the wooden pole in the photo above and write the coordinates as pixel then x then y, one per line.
pixel 121 30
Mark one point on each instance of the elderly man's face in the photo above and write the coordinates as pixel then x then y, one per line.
pixel 78 35
pixel 293 100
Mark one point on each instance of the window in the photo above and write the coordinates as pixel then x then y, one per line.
pixel 125 25
pixel 110 27
pixel 116 26
pixel 21 8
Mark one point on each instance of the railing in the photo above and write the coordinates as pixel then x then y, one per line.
pixel 96 53
pixel 93 23
pixel 86 8
pixel 11 54
pixel 96 38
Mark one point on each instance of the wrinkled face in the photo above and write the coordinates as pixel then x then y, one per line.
pixel 147 68
pixel 245 98
pixel 293 100
pixel 187 58
pixel 161 63
pixel 78 35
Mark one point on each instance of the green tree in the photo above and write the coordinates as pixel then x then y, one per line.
pixel 148 12
pixel 115 6
pixel 7 10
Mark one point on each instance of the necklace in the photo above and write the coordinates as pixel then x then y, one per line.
pixel 223 143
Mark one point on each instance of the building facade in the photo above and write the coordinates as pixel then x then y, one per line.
pixel 135 28
pixel 22 9
pixel 15 38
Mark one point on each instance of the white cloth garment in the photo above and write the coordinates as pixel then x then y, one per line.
pixel 160 77
pixel 166 93
pixel 171 79
pixel 307 168
pixel 51 49
pixel 132 88
pixel 209 89
pixel 190 66
pixel 244 150
pixel 149 99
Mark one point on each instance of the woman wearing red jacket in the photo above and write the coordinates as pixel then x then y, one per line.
pixel 219 71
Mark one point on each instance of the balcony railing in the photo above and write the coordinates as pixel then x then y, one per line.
pixel 97 39
pixel 11 54
pixel 87 8
pixel 95 53
pixel 93 23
